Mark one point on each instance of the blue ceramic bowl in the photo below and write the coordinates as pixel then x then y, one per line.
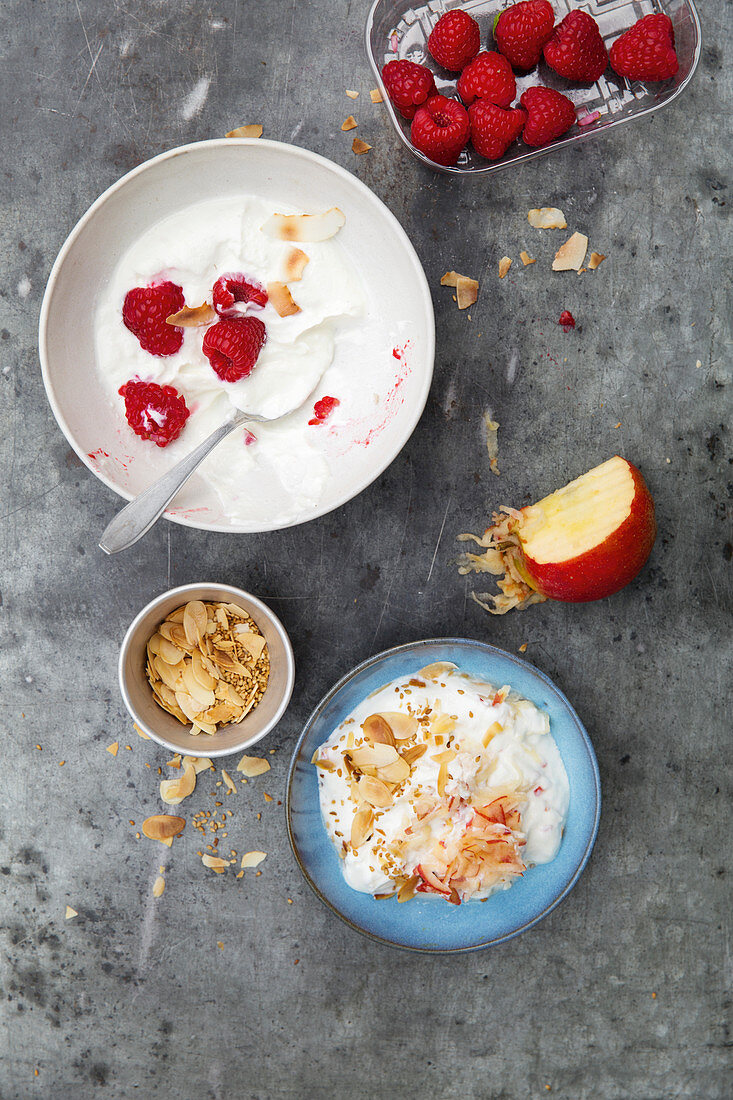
pixel 428 923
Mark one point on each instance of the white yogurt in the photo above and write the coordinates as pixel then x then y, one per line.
pixel 193 248
pixel 522 758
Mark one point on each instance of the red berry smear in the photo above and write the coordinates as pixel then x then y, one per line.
pixel 409 85
pixel 236 287
pixel 566 320
pixel 144 312
pixel 233 345
pixel 323 409
pixel 440 129
pixel 455 40
pixel 154 412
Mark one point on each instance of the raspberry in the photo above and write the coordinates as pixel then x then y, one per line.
pixel 494 129
pixel 409 85
pixel 566 320
pixel 323 409
pixel 233 345
pixel 236 287
pixel 454 40
pixel 550 114
pixel 154 412
pixel 144 312
pixel 575 49
pixel 440 129
pixel 646 50
pixel 522 30
pixel 489 76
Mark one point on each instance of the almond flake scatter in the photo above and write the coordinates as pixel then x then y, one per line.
pixel 352 94
pixel 547 217
pixel 229 781
pixel 158 886
pixel 163 826
pixel 304 228
pixel 376 96
pixel 466 291
pixel 191 317
pixel 359 147
pixel 252 859
pixel 253 765
pixel 570 256
pixel 70 913
pixel 141 733
pixel 173 791
pixel 207 664
pixel 113 748
pixel 526 259
pixel 254 130
pixel 504 264
pixel 216 863
pixel 296 262
pixel 281 298
pixel 596 259
pixel 349 124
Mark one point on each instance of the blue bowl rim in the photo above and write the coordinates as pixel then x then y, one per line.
pixel 413 646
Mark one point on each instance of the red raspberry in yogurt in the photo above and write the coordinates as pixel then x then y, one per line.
pixel 144 312
pixel 154 412
pixel 323 409
pixel 233 345
pixel 233 288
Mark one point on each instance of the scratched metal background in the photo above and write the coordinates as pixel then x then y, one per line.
pixel 133 997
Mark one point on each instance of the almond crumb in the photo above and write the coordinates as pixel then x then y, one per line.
pixel 596 259
pixel 358 147
pixel 254 130
pixel 376 96
pixel 113 748
pixel 349 124
pixel 526 259
pixel 504 264
pixel 70 913
pixel 158 886
pixel 268 797
pixel 352 94
pixel 523 647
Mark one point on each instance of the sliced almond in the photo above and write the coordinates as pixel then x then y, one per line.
pixel 304 227
pixel 378 730
pixel 253 765
pixel 504 264
pixel 158 886
pixel 466 291
pixel 201 672
pixel 192 316
pixel 373 756
pixel 349 123
pixel 281 298
pixel 374 791
pixel 451 278
pixel 162 826
pixel 396 772
pixel 190 706
pixel 252 859
pixel 408 889
pixel 547 217
pixel 140 733
pixel 596 259
pixel 253 643
pixel 352 94
pixel 414 753
pixel 359 147
pixel 194 621
pixel 445 757
pixel 198 763
pixel 442 724
pixel 526 259
pixel 175 616
pixel 570 256
pixel 173 791
pixel 361 826
pixel 253 130
pixel 436 670
pixel 442 779
pixel 403 726
pixel 215 863
pixel 232 786
pixel 296 262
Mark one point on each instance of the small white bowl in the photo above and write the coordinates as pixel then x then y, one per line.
pixel 163 727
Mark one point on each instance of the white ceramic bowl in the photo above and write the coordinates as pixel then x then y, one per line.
pixel 163 727
pixel 398 312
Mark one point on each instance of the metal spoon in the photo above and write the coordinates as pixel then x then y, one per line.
pixel 137 517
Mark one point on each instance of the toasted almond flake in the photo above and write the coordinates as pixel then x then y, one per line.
pixel 504 264
pixel 349 124
pixel 408 889
pixel 372 756
pixel 195 619
pixel 141 733
pixel 113 748
pixel 173 791
pixel 352 94
pixel 253 765
pixel 228 780
pixel 570 256
pixel 466 291
pixel 163 826
pixel 547 217
pixel 296 262
pixel 192 316
pixel 523 647
pixel 451 278
pixel 239 874
pixel 526 258
pixel 376 96
pixel 281 298
pixel 596 259
pixel 442 779
pixel 267 797
pixel 198 763
pixel 378 730
pixel 215 863
pixel 403 726
pixel 70 913
pixel 436 670
pixel 413 753
pixel 445 757
pixel 253 130
pixel 158 886
pixel 361 826
pixel 252 859
pixel 374 791
pixel 304 228
pixel 359 147
pixel 174 762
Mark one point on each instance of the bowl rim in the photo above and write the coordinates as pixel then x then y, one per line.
pixel 300 153
pixel 235 592
pixel 482 170
pixel 491 650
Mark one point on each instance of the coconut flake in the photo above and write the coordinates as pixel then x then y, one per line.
pixel 359 147
pixel 349 124
pixel 282 299
pixel 191 317
pixel 466 291
pixel 253 130
pixel 304 227
pixel 547 217
pixel 376 96
pixel 526 259
pixel 504 264
pixel 570 256
pixel 596 259
pixel 252 859
pixel 296 262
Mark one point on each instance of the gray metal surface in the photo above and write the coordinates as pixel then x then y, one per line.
pixel 133 997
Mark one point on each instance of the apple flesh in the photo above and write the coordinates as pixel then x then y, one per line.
pixel 590 538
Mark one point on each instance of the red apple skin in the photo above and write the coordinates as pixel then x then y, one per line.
pixel 608 567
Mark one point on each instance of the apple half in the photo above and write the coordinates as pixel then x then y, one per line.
pixel 583 542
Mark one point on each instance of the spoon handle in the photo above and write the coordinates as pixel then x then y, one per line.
pixel 137 517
